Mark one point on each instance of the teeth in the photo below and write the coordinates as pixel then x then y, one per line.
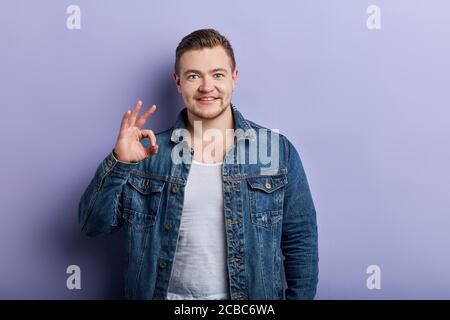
pixel 207 99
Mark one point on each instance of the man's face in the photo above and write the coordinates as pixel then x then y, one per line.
pixel 206 81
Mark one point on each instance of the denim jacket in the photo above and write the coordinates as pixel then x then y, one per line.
pixel 269 214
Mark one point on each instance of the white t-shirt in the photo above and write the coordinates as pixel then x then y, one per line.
pixel 200 267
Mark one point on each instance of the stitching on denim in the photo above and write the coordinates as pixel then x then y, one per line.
pixel 141 261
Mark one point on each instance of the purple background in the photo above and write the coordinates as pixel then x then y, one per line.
pixel 368 111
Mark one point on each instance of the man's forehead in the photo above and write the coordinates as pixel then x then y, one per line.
pixel 206 59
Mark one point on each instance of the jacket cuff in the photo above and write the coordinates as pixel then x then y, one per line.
pixel 111 161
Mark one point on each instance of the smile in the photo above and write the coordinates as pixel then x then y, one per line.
pixel 207 99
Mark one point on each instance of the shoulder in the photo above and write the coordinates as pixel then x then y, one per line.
pixel 260 130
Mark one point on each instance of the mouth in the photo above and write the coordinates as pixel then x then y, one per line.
pixel 206 100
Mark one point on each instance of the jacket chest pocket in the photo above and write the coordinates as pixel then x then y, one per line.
pixel 142 200
pixel 266 195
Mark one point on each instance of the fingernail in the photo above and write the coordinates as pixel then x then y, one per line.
pixel 128 111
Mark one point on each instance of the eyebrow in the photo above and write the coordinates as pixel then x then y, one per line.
pixel 199 72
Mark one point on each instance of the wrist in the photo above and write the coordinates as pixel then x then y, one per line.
pixel 118 158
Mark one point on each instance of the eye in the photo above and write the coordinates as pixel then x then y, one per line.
pixel 219 75
pixel 192 76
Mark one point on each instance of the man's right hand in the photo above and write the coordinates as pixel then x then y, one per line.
pixel 128 146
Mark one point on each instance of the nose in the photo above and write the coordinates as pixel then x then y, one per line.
pixel 206 85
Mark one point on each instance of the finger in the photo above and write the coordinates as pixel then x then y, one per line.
pixel 140 122
pixel 134 113
pixel 124 123
pixel 152 150
pixel 149 134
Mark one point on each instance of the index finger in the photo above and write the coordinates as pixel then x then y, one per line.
pixel 140 122
pixel 124 123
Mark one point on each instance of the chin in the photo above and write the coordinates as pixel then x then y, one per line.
pixel 206 113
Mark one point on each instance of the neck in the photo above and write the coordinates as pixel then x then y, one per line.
pixel 222 122
pixel 210 149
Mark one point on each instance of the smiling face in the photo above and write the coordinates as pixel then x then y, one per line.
pixel 206 81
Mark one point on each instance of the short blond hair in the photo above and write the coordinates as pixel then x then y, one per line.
pixel 203 38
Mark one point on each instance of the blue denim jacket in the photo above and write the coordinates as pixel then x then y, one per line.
pixel 268 214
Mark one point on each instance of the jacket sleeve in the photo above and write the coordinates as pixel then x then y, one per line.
pixel 100 206
pixel 299 239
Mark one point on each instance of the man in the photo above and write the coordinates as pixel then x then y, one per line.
pixel 205 216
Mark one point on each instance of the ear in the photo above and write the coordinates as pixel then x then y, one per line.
pixel 234 77
pixel 177 81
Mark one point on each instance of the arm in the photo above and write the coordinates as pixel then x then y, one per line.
pixel 100 207
pixel 299 233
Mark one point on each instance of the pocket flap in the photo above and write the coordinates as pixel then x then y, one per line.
pixel 268 183
pixel 146 185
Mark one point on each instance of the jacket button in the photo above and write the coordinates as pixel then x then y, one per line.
pixel 167 226
pixel 174 189
pixel 109 163
pixel 162 264
pixel 268 185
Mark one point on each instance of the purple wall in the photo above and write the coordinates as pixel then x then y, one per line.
pixel 368 111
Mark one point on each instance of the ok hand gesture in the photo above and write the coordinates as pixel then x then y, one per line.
pixel 128 146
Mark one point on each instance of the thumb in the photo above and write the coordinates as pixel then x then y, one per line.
pixel 153 146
